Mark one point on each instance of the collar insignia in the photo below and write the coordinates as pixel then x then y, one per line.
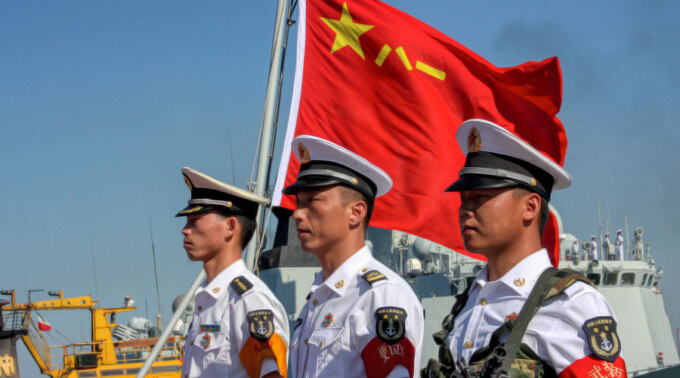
pixel 474 142
pixel 602 338
pixel 216 289
pixel 340 284
pixel 520 282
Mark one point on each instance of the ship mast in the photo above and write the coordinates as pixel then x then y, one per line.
pixel 273 87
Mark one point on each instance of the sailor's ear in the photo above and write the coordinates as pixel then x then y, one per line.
pixel 532 206
pixel 357 211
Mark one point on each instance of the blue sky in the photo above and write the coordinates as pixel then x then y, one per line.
pixel 102 103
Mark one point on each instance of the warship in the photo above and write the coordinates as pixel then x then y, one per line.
pixel 437 274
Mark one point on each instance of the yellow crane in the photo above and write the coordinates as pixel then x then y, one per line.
pixel 103 357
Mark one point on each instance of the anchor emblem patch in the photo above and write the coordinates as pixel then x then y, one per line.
pixel 390 324
pixel 602 338
pixel 261 324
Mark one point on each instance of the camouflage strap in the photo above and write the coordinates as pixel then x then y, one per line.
pixel 446 366
pixel 550 283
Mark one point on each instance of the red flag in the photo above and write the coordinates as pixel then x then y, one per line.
pixel 394 90
pixel 43 325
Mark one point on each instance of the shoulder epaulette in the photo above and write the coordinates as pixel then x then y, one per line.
pixel 240 285
pixel 373 276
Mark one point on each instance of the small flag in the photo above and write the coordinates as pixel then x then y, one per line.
pixel 43 325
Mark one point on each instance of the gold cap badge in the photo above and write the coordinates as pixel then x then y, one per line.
pixel 303 154
pixel 474 140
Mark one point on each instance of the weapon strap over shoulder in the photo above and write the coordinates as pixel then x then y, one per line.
pixel 550 283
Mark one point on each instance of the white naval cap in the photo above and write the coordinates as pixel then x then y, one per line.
pixel 324 163
pixel 497 158
pixel 208 193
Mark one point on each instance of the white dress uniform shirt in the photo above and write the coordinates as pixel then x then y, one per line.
pixel 338 321
pixel 555 333
pixel 220 327
pixel 593 252
pixel 619 246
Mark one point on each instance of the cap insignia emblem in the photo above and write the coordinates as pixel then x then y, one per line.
pixel 474 140
pixel 303 154
pixel 327 320
pixel 520 282
pixel 340 284
pixel 186 180
pixel 216 289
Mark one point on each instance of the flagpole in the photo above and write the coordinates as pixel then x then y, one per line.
pixel 265 141
pixel 267 126
pixel 175 317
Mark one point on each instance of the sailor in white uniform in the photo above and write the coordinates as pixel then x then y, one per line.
pixel 361 319
pixel 606 251
pixel 618 243
pixel 593 248
pixel 504 189
pixel 239 328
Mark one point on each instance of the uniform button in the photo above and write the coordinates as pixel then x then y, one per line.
pixel 482 302
pixel 315 302
pixel 191 342
pixel 306 341
pixel 468 344
pixel 200 308
pixel 321 344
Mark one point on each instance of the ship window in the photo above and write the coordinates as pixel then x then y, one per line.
pixel 594 278
pixel 627 279
pixel 649 281
pixel 644 280
pixel 610 278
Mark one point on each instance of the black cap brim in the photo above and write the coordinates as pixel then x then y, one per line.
pixel 474 182
pixel 193 209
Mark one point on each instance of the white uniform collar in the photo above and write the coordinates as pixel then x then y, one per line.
pixel 220 284
pixel 521 277
pixel 342 276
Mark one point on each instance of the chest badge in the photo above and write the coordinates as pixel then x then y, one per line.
pixel 205 341
pixel 328 320
pixel 520 282
pixel 261 324
pixel 209 327
pixel 390 324
pixel 511 316
pixel 602 338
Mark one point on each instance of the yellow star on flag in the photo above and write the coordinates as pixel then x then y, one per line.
pixel 347 32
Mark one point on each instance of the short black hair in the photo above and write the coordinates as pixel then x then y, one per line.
pixel 248 225
pixel 350 194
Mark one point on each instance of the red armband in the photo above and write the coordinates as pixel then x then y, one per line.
pixel 591 366
pixel 380 358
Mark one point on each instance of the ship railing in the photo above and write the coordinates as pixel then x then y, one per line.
pixel 13 322
pixel 126 352
pixel 39 342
